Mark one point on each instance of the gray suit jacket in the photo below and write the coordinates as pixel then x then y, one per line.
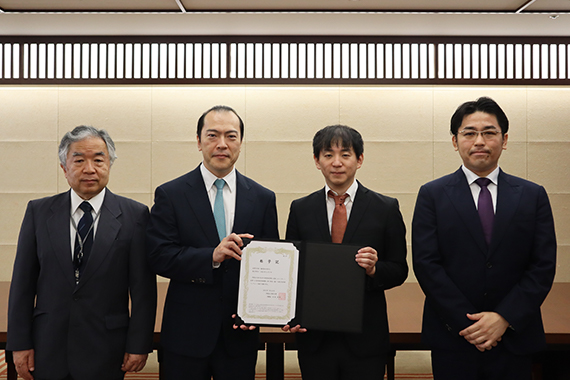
pixel 83 330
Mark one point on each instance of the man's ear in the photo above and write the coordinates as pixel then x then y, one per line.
pixel 317 162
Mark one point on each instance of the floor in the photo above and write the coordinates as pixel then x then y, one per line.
pixel 410 365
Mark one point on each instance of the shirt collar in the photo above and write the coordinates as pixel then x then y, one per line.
pixel 96 202
pixel 351 191
pixel 472 177
pixel 210 178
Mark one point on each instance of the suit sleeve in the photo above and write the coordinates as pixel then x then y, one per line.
pixel 392 267
pixel 167 254
pixel 440 290
pixel 23 286
pixel 525 298
pixel 142 289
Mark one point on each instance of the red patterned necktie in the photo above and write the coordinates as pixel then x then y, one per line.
pixel 339 219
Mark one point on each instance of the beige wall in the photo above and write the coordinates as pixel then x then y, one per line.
pixel 405 130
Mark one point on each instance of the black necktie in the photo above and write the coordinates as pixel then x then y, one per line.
pixel 83 239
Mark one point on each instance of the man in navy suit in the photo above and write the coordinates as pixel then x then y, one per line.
pixel 68 313
pixel 368 219
pixel 194 237
pixel 484 253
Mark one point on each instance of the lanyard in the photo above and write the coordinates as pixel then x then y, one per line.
pixel 81 243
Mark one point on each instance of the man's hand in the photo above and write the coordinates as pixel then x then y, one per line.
pixel 487 331
pixel 294 329
pixel 230 247
pixel 243 327
pixel 133 362
pixel 367 258
pixel 24 362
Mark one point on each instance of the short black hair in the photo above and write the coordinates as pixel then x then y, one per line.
pixel 338 135
pixel 483 104
pixel 219 109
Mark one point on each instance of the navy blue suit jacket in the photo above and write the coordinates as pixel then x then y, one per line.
pixel 181 237
pixel 459 274
pixel 375 221
pixel 83 330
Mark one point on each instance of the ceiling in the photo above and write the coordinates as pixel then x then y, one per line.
pixel 285 17
pixel 551 6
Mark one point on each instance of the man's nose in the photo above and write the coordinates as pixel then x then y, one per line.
pixel 89 167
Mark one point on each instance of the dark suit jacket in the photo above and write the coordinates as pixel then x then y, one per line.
pixel 82 329
pixel 182 236
pixel 458 272
pixel 374 221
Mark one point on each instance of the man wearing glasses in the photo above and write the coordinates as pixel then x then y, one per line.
pixel 484 253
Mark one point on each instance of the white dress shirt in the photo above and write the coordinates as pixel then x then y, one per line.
pixel 476 189
pixel 77 213
pixel 351 191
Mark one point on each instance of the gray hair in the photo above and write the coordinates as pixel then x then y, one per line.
pixel 80 133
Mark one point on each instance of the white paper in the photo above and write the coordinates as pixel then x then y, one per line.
pixel 268 283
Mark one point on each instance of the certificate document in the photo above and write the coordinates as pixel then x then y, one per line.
pixel 268 282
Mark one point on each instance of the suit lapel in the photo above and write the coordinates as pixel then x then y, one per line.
pixel 58 225
pixel 245 200
pixel 320 215
pixel 359 207
pixel 198 200
pixel 461 197
pixel 508 198
pixel 107 230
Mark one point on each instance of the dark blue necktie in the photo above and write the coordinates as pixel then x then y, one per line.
pixel 485 208
pixel 85 233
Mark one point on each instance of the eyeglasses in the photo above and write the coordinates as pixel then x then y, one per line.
pixel 488 134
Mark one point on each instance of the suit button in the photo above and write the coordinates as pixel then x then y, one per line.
pixel 449 328
pixel 76 298
pixel 489 265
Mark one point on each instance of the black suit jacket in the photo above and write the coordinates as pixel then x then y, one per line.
pixel 182 236
pixel 82 329
pixel 375 221
pixel 458 272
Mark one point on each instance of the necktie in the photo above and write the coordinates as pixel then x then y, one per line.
pixel 485 208
pixel 83 239
pixel 339 219
pixel 219 212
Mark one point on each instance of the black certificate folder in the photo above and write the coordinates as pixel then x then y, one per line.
pixel 330 296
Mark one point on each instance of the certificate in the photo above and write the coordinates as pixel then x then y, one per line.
pixel 268 282
pixel 317 285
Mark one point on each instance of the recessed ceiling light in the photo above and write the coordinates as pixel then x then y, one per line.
pixel 554 17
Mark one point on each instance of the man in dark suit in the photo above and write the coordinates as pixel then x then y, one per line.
pixel 346 212
pixel 81 256
pixel 195 233
pixel 484 253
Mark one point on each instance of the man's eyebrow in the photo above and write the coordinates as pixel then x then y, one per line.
pixel 76 154
pixel 486 127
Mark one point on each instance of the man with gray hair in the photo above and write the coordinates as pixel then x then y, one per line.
pixel 80 260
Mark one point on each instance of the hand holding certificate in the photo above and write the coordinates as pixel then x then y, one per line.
pixel 316 285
